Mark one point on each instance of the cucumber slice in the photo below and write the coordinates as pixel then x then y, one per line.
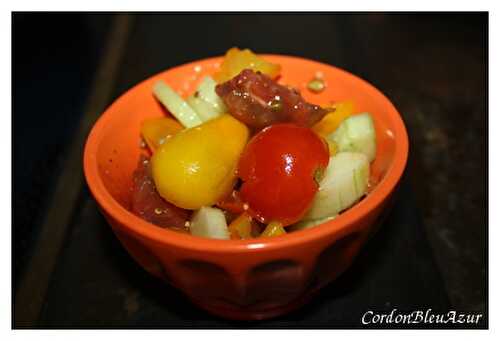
pixel 305 224
pixel 205 101
pixel 356 134
pixel 206 91
pixel 345 182
pixel 209 222
pixel 206 111
pixel 176 105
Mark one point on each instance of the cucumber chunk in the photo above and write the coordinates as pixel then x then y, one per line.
pixel 305 224
pixel 206 91
pixel 205 101
pixel 356 134
pixel 204 110
pixel 176 105
pixel 345 182
pixel 209 222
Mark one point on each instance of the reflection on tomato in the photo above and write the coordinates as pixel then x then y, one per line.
pixel 280 169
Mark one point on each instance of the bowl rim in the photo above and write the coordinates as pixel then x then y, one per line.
pixel 338 225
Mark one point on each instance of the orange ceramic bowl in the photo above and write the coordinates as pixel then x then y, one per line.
pixel 251 279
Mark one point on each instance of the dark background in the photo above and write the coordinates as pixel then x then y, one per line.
pixel 432 66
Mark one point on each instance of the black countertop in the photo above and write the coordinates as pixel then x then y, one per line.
pixel 431 253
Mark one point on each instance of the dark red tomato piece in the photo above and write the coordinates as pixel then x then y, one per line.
pixel 232 203
pixel 280 169
pixel 258 101
pixel 150 206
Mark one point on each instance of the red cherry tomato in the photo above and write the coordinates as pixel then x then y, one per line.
pixel 280 169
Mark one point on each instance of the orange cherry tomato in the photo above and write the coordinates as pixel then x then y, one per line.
pixel 280 169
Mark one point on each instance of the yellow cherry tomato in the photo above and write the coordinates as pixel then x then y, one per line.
pixel 196 167
pixel 332 120
pixel 155 131
pixel 237 60
pixel 273 229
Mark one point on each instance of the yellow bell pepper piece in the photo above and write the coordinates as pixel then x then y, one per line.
pixel 237 60
pixel 155 131
pixel 197 166
pixel 273 229
pixel 241 227
pixel 332 120
pixel 332 146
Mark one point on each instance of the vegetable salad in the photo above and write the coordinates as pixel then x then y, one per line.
pixel 245 156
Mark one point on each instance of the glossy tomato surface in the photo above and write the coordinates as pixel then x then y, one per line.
pixel 280 168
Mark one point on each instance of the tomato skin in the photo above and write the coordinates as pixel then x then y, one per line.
pixel 279 169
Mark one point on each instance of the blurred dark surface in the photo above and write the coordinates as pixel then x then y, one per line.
pixel 432 66
pixel 54 59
